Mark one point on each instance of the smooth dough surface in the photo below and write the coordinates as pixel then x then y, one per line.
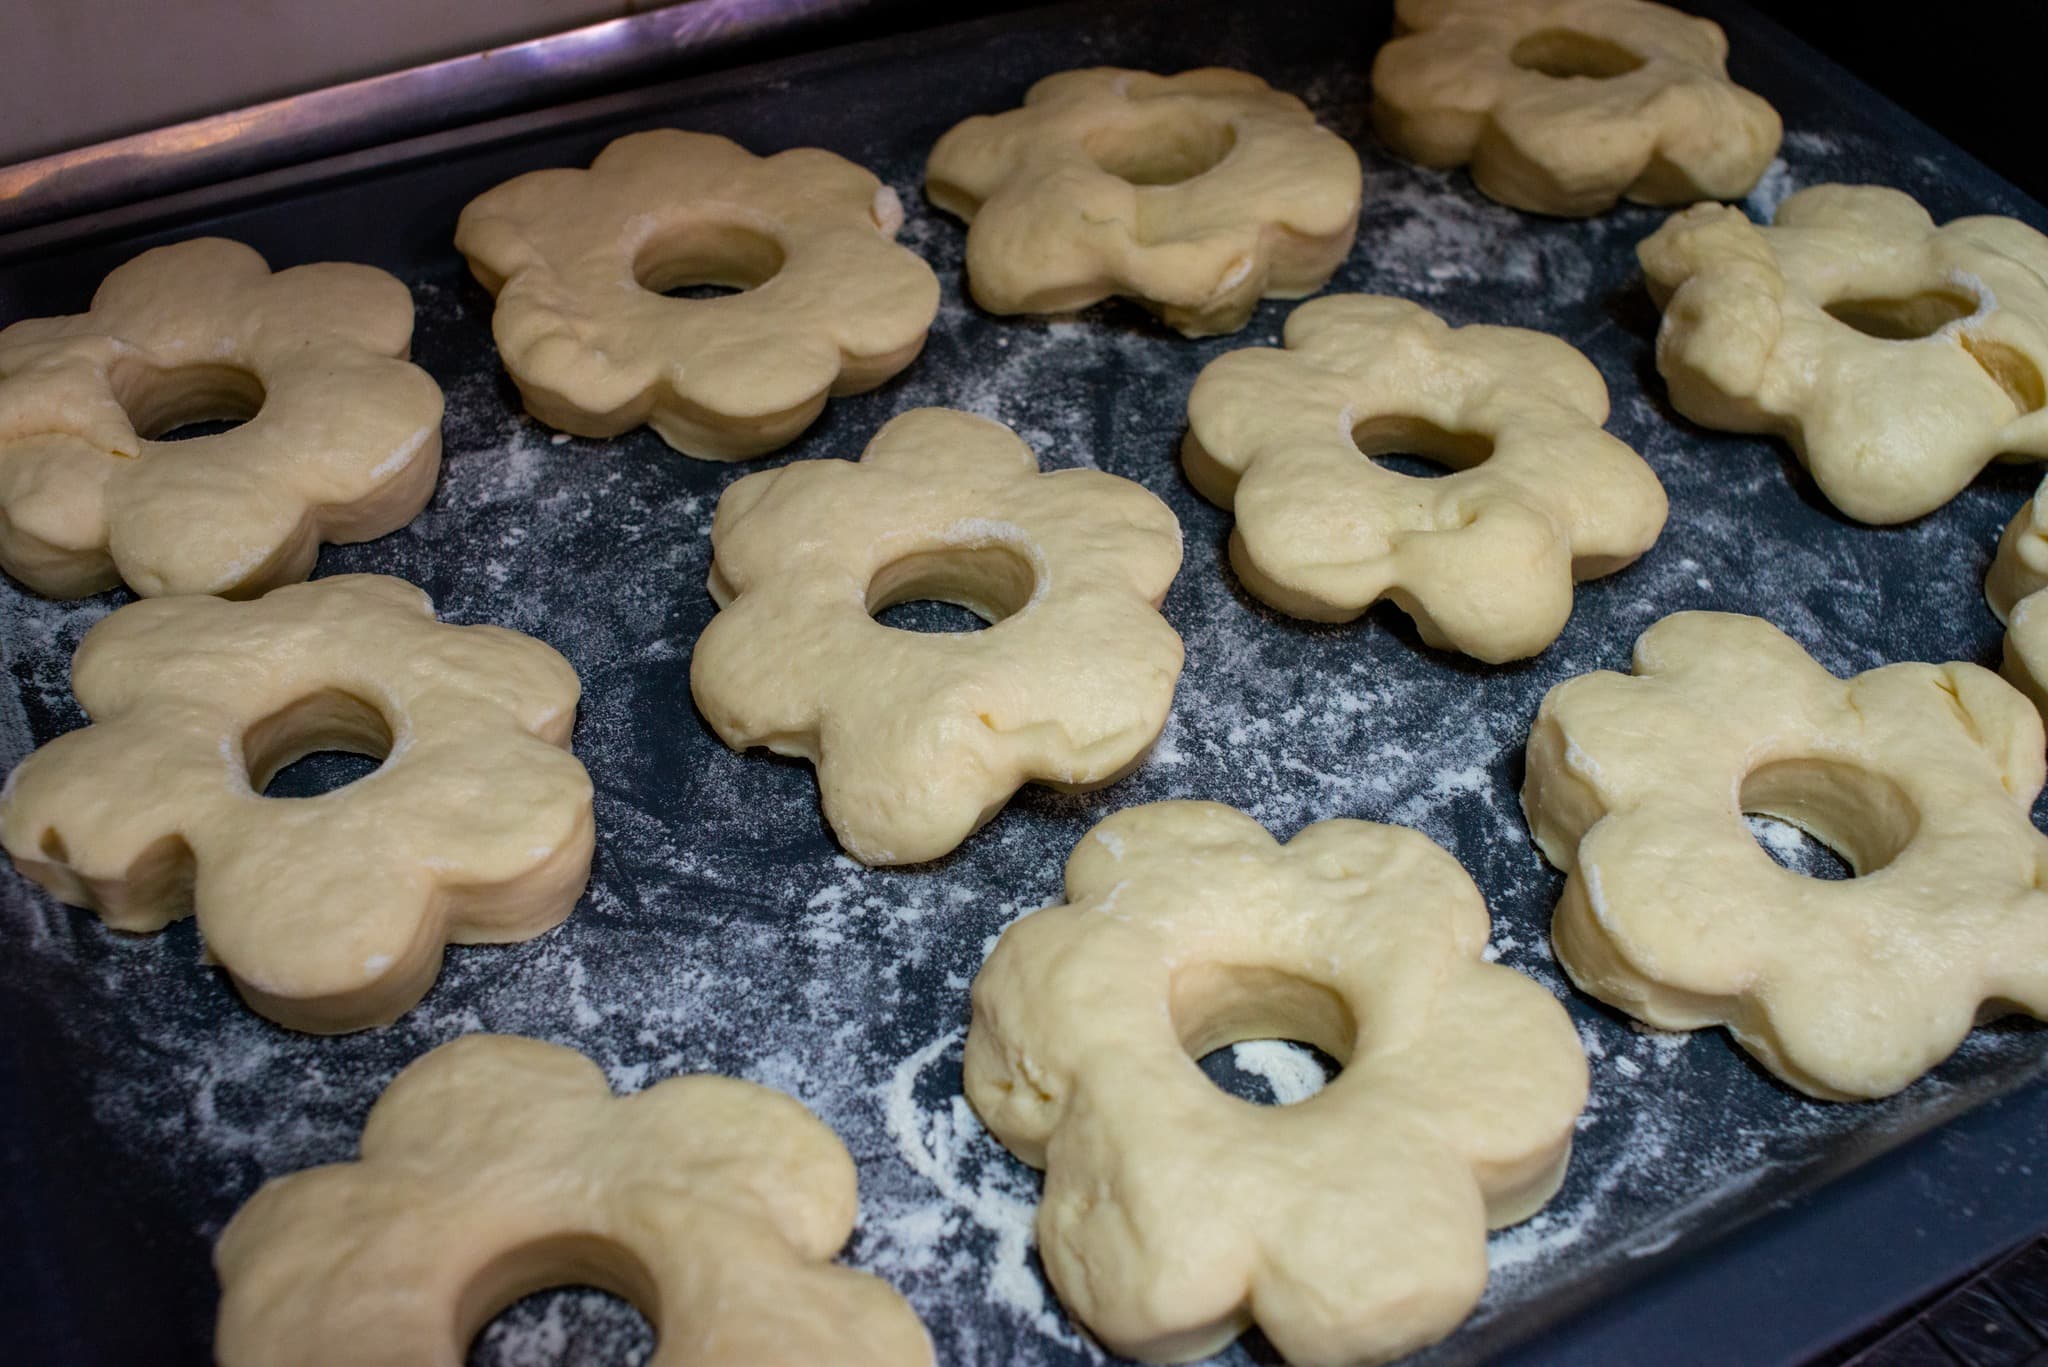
pixel 2013 588
pixel 1351 1227
pixel 329 912
pixel 497 1166
pixel 1565 106
pixel 1922 777
pixel 919 738
pixel 341 438
pixel 830 303
pixel 1898 358
pixel 1196 195
pixel 1484 558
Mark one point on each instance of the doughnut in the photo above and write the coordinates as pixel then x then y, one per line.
pixel 1922 777
pixel 1483 559
pixel 329 913
pixel 919 738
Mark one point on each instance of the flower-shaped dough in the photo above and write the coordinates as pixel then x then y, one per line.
pixel 2013 588
pixel 1196 195
pixel 497 1166
pixel 329 912
pixel 1896 357
pixel 578 260
pixel 1922 777
pixel 1483 559
pixel 1351 1226
pixel 342 440
pixel 1564 106
pixel 918 739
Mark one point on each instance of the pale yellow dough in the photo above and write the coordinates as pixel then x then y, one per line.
pixel 2013 588
pixel 920 738
pixel 1351 1226
pixel 1196 195
pixel 328 912
pixel 1483 559
pixel 342 438
pixel 1897 358
pixel 497 1166
pixel 1565 106
pixel 1923 777
pixel 832 305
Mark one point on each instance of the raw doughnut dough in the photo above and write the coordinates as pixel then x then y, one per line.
pixel 1922 777
pixel 578 260
pixel 1564 106
pixel 1896 357
pixel 342 440
pixel 1483 559
pixel 1196 195
pixel 2013 588
pixel 1351 1226
pixel 920 738
pixel 497 1166
pixel 329 912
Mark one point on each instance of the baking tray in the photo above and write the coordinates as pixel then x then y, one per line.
pixel 140 1103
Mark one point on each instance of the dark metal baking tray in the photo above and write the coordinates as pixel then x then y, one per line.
pixel 140 1103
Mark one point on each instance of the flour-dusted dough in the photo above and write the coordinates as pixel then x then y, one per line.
pixel 497 1166
pixel 1897 358
pixel 1482 559
pixel 329 912
pixel 1351 1226
pixel 1196 195
pixel 2013 588
pixel 342 440
pixel 1922 777
pixel 1564 106
pixel 920 738
pixel 832 305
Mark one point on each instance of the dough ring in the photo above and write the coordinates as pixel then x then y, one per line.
pixel 1564 106
pixel 497 1166
pixel 1484 559
pixel 918 739
pixel 1922 777
pixel 2013 588
pixel 1351 1226
pixel 329 912
pixel 1898 358
pixel 1195 195
pixel 342 440
pixel 578 261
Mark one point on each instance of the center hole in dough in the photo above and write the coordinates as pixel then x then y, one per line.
pixel 570 1299
pixel 1904 319
pixel 951 590
pixel 316 745
pixel 1162 151
pixel 1417 447
pixel 1860 820
pixel 186 401
pixel 1261 1034
pixel 1563 53
pixel 706 260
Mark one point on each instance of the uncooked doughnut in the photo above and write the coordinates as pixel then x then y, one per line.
pixel 920 738
pixel 328 912
pixel 1483 559
pixel 496 1166
pixel 1923 777
pixel 1352 1225
pixel 1196 195
pixel 1564 106
pixel 578 260
pixel 341 439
